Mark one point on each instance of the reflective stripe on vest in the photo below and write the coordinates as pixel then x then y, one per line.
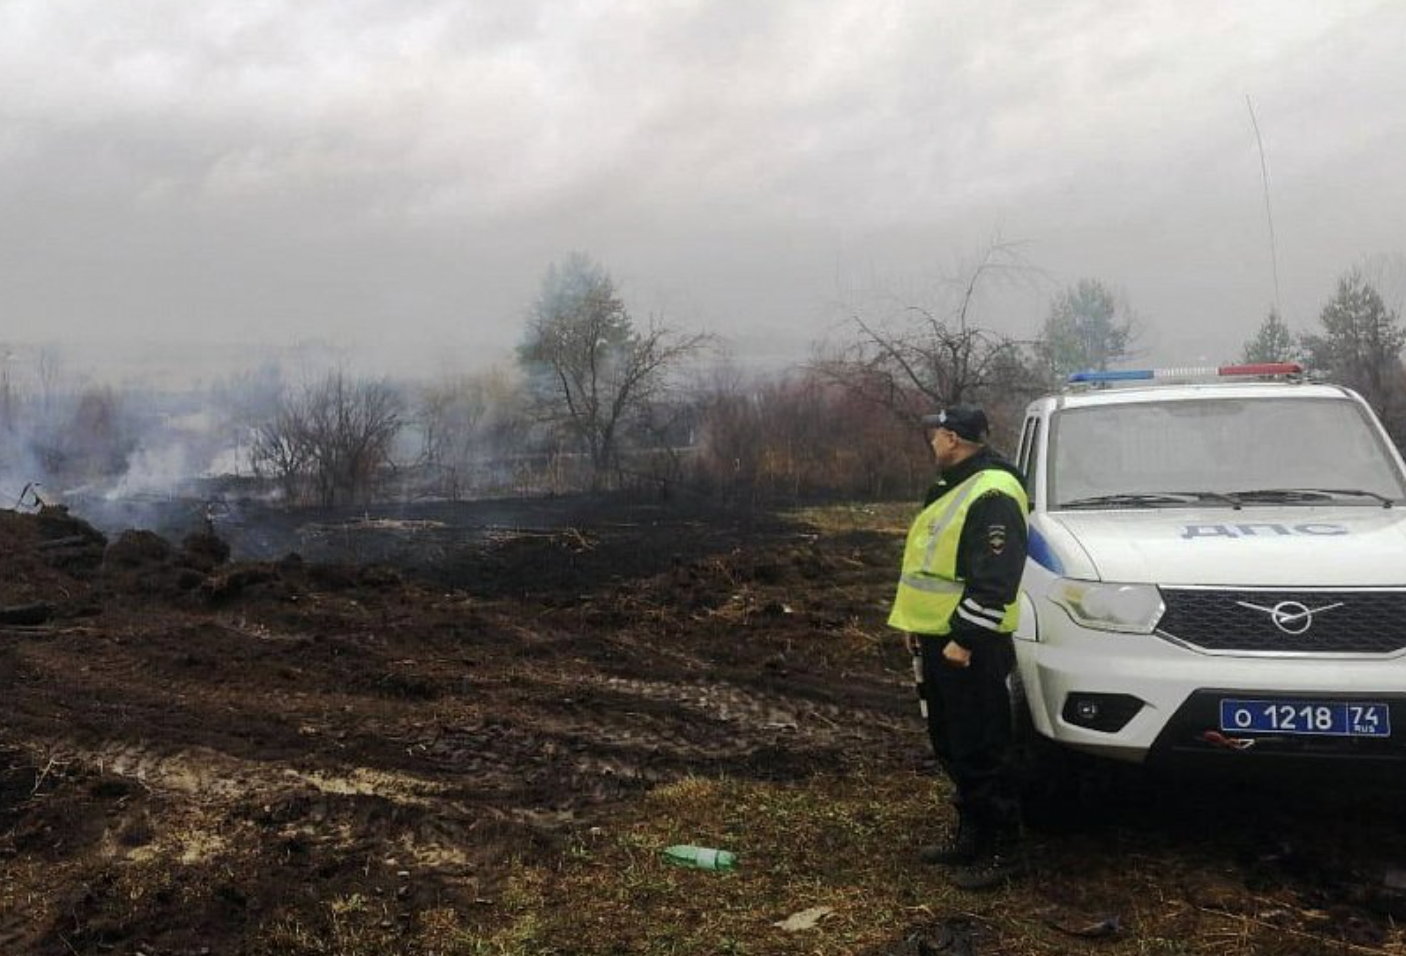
pixel 929 590
pixel 943 520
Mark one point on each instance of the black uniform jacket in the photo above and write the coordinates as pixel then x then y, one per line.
pixel 991 553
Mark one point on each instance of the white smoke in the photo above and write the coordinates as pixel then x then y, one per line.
pixel 153 471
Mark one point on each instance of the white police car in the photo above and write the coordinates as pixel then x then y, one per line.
pixel 1217 569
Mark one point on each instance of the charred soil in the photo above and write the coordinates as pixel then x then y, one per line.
pixel 193 753
pixel 297 756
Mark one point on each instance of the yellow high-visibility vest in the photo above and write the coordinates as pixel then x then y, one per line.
pixel 929 589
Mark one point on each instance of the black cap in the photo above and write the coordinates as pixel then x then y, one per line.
pixel 964 421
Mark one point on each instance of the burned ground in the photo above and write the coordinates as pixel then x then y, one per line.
pixel 285 728
pixel 287 755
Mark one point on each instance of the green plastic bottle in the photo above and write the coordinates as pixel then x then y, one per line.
pixel 700 857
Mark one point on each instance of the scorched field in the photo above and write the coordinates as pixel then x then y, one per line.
pixel 477 737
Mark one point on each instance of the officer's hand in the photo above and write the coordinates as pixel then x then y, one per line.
pixel 956 655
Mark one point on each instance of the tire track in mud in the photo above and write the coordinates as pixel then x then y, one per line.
pixel 592 730
pixel 718 720
pixel 213 807
pixel 550 754
pixel 820 723
pixel 207 663
pixel 206 774
pixel 441 813
pixel 232 711
pixel 646 732
pixel 563 743
pixel 597 737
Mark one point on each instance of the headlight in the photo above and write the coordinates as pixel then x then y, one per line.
pixel 1130 608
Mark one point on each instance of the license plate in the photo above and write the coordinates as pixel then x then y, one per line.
pixel 1329 718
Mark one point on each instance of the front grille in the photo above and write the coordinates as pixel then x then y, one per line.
pixel 1364 622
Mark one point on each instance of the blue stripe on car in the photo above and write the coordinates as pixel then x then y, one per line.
pixel 1042 554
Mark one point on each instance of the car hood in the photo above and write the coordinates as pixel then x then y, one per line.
pixel 1278 546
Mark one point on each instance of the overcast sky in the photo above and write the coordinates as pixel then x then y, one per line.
pixel 397 176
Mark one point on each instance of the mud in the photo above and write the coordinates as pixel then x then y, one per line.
pixel 198 753
pixel 193 750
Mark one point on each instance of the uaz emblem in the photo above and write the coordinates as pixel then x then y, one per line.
pixel 1291 617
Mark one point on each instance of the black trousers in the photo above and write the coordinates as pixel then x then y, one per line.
pixel 969 723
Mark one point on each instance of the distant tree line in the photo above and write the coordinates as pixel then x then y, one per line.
pixel 1358 343
pixel 598 399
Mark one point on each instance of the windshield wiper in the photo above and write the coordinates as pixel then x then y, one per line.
pixel 1210 495
pixel 1287 495
pixel 1148 498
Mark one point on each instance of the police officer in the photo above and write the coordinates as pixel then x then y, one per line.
pixel 957 606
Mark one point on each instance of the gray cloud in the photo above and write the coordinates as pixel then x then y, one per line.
pixel 398 176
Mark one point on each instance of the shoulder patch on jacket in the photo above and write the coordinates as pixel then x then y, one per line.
pixel 996 538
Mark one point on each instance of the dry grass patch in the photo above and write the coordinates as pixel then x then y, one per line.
pixel 884 517
pixel 846 844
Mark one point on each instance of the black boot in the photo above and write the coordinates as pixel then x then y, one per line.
pixel 1002 861
pixel 961 848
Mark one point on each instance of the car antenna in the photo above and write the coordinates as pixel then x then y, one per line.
pixel 1268 214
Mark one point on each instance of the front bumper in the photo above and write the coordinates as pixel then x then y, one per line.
pixel 1176 690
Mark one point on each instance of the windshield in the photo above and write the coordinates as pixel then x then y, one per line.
pixel 1161 454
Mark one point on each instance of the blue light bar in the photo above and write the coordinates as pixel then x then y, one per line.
pixel 1133 375
pixel 1261 370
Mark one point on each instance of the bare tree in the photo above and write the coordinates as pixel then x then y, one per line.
pixel 332 438
pixel 354 424
pixel 932 357
pixel 282 449
pixel 590 367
